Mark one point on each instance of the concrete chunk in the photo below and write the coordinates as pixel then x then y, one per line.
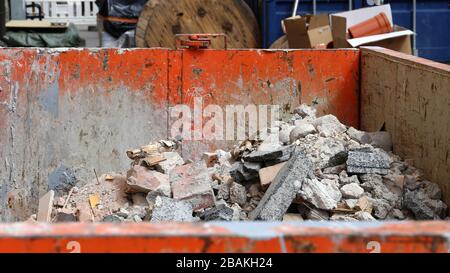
pixel 329 126
pixel 352 190
pixel 221 212
pixel 423 207
pixel 322 194
pixel 364 161
pixel 364 216
pixel 173 159
pixel 282 191
pixel 262 156
pixel 301 130
pixel 167 209
pixel 239 173
pixel 238 194
pixel 252 168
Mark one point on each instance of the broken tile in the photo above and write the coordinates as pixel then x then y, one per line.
pixel 45 207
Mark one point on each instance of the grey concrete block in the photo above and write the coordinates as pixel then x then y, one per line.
pixel 167 209
pixel 284 188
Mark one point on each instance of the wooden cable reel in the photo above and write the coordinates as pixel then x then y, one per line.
pixel 161 20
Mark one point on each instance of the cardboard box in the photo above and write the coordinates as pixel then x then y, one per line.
pixel 308 31
pixel 399 39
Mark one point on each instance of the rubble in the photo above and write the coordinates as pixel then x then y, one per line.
pixel 238 194
pixel 301 130
pixel 323 194
pixel 221 212
pixel 328 126
pixel 352 190
pixel 283 189
pixel 364 216
pixel 423 207
pixel 45 207
pixel 368 160
pixel 140 179
pixel 173 159
pixel 192 182
pixel 308 168
pixel 376 139
pixel 262 156
pixel 167 209
pixel 267 174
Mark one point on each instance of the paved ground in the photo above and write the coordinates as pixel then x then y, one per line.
pixel 91 37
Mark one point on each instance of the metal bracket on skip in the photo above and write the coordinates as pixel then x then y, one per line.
pixel 198 41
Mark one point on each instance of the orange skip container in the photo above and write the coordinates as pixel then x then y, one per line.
pixel 378 24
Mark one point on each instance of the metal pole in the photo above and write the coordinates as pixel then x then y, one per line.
pixel 294 12
pixel 314 7
pixel 350 5
pixel 415 52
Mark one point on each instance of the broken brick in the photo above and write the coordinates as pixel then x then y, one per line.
pixel 192 182
pixel 267 174
pixel 141 179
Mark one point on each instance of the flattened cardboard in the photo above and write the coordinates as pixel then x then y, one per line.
pixel 297 33
pixel 320 35
pixel 376 38
pixel 319 20
pixel 302 35
pixel 400 44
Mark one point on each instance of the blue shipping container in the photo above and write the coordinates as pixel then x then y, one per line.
pixel 432 20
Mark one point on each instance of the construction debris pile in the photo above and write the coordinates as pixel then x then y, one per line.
pixel 308 168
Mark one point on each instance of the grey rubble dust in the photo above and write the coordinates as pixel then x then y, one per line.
pixel 319 170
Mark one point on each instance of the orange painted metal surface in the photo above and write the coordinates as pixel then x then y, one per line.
pixel 219 237
pixel 327 78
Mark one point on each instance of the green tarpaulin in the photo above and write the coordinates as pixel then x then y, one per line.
pixel 47 38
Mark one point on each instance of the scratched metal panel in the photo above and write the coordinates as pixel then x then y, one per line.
pixel 66 112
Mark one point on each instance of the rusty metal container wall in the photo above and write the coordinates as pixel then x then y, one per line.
pixel 26 76
pixel 70 111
